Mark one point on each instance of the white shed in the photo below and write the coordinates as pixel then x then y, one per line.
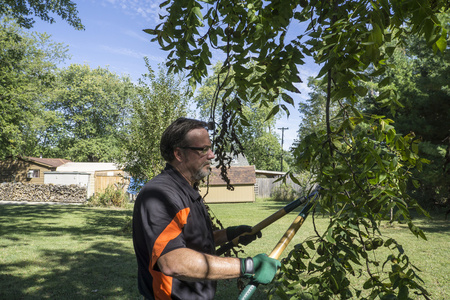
pixel 90 168
pixel 68 178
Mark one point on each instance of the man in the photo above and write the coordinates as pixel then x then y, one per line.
pixel 172 234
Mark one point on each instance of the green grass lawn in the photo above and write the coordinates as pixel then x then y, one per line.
pixel 77 252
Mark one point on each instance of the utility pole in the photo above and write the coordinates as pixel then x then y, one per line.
pixel 282 142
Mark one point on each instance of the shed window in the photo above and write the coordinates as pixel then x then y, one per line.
pixel 33 174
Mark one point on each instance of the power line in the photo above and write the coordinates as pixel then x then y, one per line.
pixel 282 142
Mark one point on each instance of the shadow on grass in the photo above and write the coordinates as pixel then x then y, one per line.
pixel 103 268
pixel 32 219
pixel 97 273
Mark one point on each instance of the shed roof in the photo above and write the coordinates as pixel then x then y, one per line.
pixel 237 175
pixel 237 160
pixel 50 162
pixel 270 174
pixel 89 167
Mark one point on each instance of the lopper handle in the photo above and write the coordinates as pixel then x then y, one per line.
pixel 269 220
pixel 279 248
pixel 264 223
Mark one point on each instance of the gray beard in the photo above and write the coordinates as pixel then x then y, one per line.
pixel 201 174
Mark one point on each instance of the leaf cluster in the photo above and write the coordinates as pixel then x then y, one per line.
pixel 23 9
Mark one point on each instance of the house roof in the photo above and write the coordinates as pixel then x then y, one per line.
pixel 50 162
pixel 269 174
pixel 236 174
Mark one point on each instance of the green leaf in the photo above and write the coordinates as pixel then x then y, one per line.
pixel 441 43
pixel 273 112
pixel 150 31
pixel 196 10
pixel 329 236
pixel 390 135
pixel 294 179
pixel 403 293
pixel 368 284
pixel 310 244
pixel 361 91
pixel 385 82
pixel 383 95
pixel 287 98
pixel 164 3
pixel 377 34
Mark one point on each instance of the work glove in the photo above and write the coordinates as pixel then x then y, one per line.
pixel 235 231
pixel 261 268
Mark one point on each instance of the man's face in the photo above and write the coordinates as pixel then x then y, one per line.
pixel 198 164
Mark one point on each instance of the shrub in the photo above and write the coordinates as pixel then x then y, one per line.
pixel 284 192
pixel 112 197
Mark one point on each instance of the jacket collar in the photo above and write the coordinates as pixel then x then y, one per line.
pixel 184 184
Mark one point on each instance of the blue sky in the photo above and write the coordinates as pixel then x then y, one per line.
pixel 113 38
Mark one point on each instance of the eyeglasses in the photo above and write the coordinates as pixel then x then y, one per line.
pixel 203 150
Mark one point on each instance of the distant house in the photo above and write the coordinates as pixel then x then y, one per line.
pixel 28 169
pixel 242 178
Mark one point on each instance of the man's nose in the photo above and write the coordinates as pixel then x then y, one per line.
pixel 210 154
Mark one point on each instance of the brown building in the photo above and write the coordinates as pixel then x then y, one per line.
pixel 243 180
pixel 28 169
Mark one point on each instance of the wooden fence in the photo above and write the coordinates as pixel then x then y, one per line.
pixel 105 178
pixel 265 186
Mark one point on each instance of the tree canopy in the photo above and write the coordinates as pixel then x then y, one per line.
pixel 159 100
pixel 27 75
pixel 421 80
pixel 92 107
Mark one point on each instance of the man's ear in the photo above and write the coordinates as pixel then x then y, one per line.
pixel 179 154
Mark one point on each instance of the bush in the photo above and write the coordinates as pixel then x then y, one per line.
pixel 112 197
pixel 284 192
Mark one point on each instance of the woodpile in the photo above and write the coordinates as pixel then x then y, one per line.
pixel 42 192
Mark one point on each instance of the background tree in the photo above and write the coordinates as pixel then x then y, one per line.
pixel 258 138
pixel 159 101
pixel 23 9
pixel 27 75
pixel 361 161
pixel 311 111
pixel 93 108
pixel 421 80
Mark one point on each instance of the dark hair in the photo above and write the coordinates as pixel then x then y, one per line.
pixel 175 136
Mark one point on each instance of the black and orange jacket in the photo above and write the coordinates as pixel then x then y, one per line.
pixel 170 214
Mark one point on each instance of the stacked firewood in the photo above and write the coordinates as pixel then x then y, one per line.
pixel 42 192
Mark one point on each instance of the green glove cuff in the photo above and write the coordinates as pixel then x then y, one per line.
pixel 247 267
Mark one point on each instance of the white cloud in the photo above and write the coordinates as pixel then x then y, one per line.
pixel 131 53
pixel 136 35
pixel 148 10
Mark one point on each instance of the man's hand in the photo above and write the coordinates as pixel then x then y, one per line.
pixel 261 268
pixel 235 231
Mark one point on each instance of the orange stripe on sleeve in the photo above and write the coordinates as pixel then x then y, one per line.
pixel 162 284
pixel 169 233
